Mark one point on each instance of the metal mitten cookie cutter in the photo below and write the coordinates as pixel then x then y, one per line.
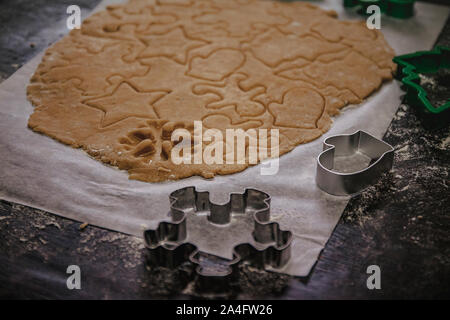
pixel 339 183
pixel 167 245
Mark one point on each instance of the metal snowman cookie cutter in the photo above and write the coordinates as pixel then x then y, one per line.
pixel 166 245
pixel 340 183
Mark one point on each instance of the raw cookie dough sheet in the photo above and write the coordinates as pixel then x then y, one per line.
pixel 42 173
pixel 132 75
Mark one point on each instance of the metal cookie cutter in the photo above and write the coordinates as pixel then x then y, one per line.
pixel 338 183
pixel 167 247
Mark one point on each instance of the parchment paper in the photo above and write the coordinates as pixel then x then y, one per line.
pixel 40 172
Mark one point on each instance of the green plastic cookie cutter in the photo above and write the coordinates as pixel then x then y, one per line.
pixel 402 9
pixel 410 66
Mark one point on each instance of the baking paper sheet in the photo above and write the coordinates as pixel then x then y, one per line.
pixel 42 173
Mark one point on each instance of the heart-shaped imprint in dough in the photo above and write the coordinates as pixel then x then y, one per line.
pixel 217 65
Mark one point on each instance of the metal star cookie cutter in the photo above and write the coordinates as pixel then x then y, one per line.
pixel 166 244
pixel 339 183
pixel 402 9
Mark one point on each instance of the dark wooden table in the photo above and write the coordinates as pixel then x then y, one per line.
pixel 401 224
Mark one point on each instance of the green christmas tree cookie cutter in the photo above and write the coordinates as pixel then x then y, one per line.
pixel 411 65
pixel 402 9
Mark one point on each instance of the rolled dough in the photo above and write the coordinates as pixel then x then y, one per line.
pixel 134 73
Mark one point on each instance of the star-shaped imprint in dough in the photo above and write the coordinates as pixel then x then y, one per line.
pixel 125 102
pixel 174 45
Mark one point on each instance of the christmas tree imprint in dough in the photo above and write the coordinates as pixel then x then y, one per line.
pixel 120 86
